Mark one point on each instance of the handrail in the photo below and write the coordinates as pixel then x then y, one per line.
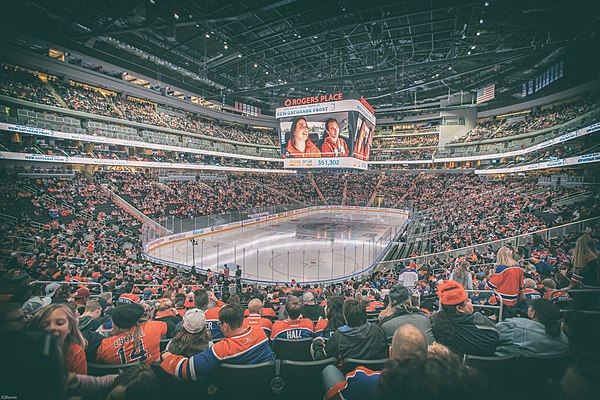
pixel 71 283
pixel 500 307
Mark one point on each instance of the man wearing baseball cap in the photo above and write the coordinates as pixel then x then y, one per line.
pixel 457 326
pixel 132 340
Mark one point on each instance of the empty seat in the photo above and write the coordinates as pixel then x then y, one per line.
pixel 296 375
pixel 492 366
pixel 292 349
pixel 242 381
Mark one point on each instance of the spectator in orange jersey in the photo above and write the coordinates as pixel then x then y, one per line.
pixel 507 280
pixel 299 145
pixel 133 340
pixel 255 310
pixel 59 319
pixel 333 145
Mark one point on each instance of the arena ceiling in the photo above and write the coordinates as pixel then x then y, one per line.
pixel 261 51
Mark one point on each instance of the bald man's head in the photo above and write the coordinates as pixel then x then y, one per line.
pixel 255 306
pixel 408 341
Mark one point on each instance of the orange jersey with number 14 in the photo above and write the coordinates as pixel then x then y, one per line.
pixel 120 349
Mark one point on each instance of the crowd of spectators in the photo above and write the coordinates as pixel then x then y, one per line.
pixel 16 82
pixel 26 85
pixel 406 141
pixel 434 320
pixel 70 230
pixel 536 120
pixel 464 210
pixel 191 198
pixel 414 154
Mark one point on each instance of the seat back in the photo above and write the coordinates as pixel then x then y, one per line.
pixel 350 364
pixel 492 366
pixel 539 376
pixel 95 369
pixel 303 378
pixel 239 381
pixel 292 349
pixel 544 367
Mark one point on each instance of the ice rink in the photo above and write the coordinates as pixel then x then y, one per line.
pixel 314 246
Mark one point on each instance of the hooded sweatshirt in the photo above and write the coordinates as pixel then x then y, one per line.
pixel 365 342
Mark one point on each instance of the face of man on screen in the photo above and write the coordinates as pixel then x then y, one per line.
pixel 333 130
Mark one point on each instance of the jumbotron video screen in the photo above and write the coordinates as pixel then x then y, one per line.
pixel 326 131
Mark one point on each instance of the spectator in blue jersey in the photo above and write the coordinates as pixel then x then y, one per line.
pixel 409 276
pixel 408 341
pixel 242 346
pixel 357 339
pixel 436 377
pixel 294 326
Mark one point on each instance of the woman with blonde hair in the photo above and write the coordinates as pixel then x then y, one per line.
pixel 507 280
pixel 462 275
pixel 59 319
pixel 586 273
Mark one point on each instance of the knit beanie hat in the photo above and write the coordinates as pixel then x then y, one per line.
pixel 127 315
pixel 451 293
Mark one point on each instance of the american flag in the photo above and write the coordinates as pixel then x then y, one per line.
pixel 486 94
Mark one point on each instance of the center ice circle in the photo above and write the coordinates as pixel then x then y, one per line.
pixel 324 226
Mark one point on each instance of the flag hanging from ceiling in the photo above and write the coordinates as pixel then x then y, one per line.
pixel 486 93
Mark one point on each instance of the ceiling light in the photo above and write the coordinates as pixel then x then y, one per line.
pixel 255 65
pixel 469 52
pixel 190 16
pixel 449 68
pixel 486 4
pixel 239 56
pixel 151 2
pixel 225 47
pixel 197 25
pixel 478 33
pixel 481 21
pixel 175 15
pixel 207 36
pixel 315 37
pixel 473 47
pixel 266 72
